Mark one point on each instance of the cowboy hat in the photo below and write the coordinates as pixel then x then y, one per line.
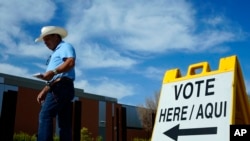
pixel 47 30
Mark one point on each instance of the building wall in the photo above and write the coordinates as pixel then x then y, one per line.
pixel 118 123
pixel 110 121
pixel 27 111
pixel 137 133
pixel 90 115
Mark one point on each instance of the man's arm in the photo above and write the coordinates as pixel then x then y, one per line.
pixel 68 64
pixel 41 96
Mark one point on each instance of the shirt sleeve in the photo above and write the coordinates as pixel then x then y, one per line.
pixel 68 51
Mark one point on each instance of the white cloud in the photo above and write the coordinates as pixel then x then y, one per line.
pixel 93 56
pixel 154 73
pixel 214 21
pixel 146 26
pixel 13 70
pixel 14 14
pixel 35 11
pixel 102 30
pixel 106 87
pixel 108 33
pixel 81 84
pixel 212 39
pixel 31 50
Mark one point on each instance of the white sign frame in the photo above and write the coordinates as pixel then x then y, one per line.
pixel 190 110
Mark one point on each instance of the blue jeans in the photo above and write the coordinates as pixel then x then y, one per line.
pixel 57 103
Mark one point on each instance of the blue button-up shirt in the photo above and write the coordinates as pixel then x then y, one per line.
pixel 60 54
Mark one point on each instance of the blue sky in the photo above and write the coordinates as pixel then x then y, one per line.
pixel 125 47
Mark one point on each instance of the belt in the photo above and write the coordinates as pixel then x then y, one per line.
pixel 60 79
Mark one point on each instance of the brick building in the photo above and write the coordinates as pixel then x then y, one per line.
pixel 102 116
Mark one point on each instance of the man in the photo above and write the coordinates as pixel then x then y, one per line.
pixel 56 96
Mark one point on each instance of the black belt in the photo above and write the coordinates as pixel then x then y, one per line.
pixel 65 79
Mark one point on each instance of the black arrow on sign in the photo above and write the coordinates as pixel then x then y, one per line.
pixel 175 131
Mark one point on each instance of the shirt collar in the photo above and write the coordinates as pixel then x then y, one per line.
pixel 59 45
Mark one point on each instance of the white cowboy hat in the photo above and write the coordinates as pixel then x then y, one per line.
pixel 47 30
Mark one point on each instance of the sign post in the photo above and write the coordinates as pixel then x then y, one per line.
pixel 202 104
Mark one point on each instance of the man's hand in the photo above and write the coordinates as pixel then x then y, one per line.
pixel 48 75
pixel 42 95
pixel 38 75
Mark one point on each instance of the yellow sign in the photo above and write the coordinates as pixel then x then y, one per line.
pixel 203 104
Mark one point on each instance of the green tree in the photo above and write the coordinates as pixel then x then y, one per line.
pixel 86 135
